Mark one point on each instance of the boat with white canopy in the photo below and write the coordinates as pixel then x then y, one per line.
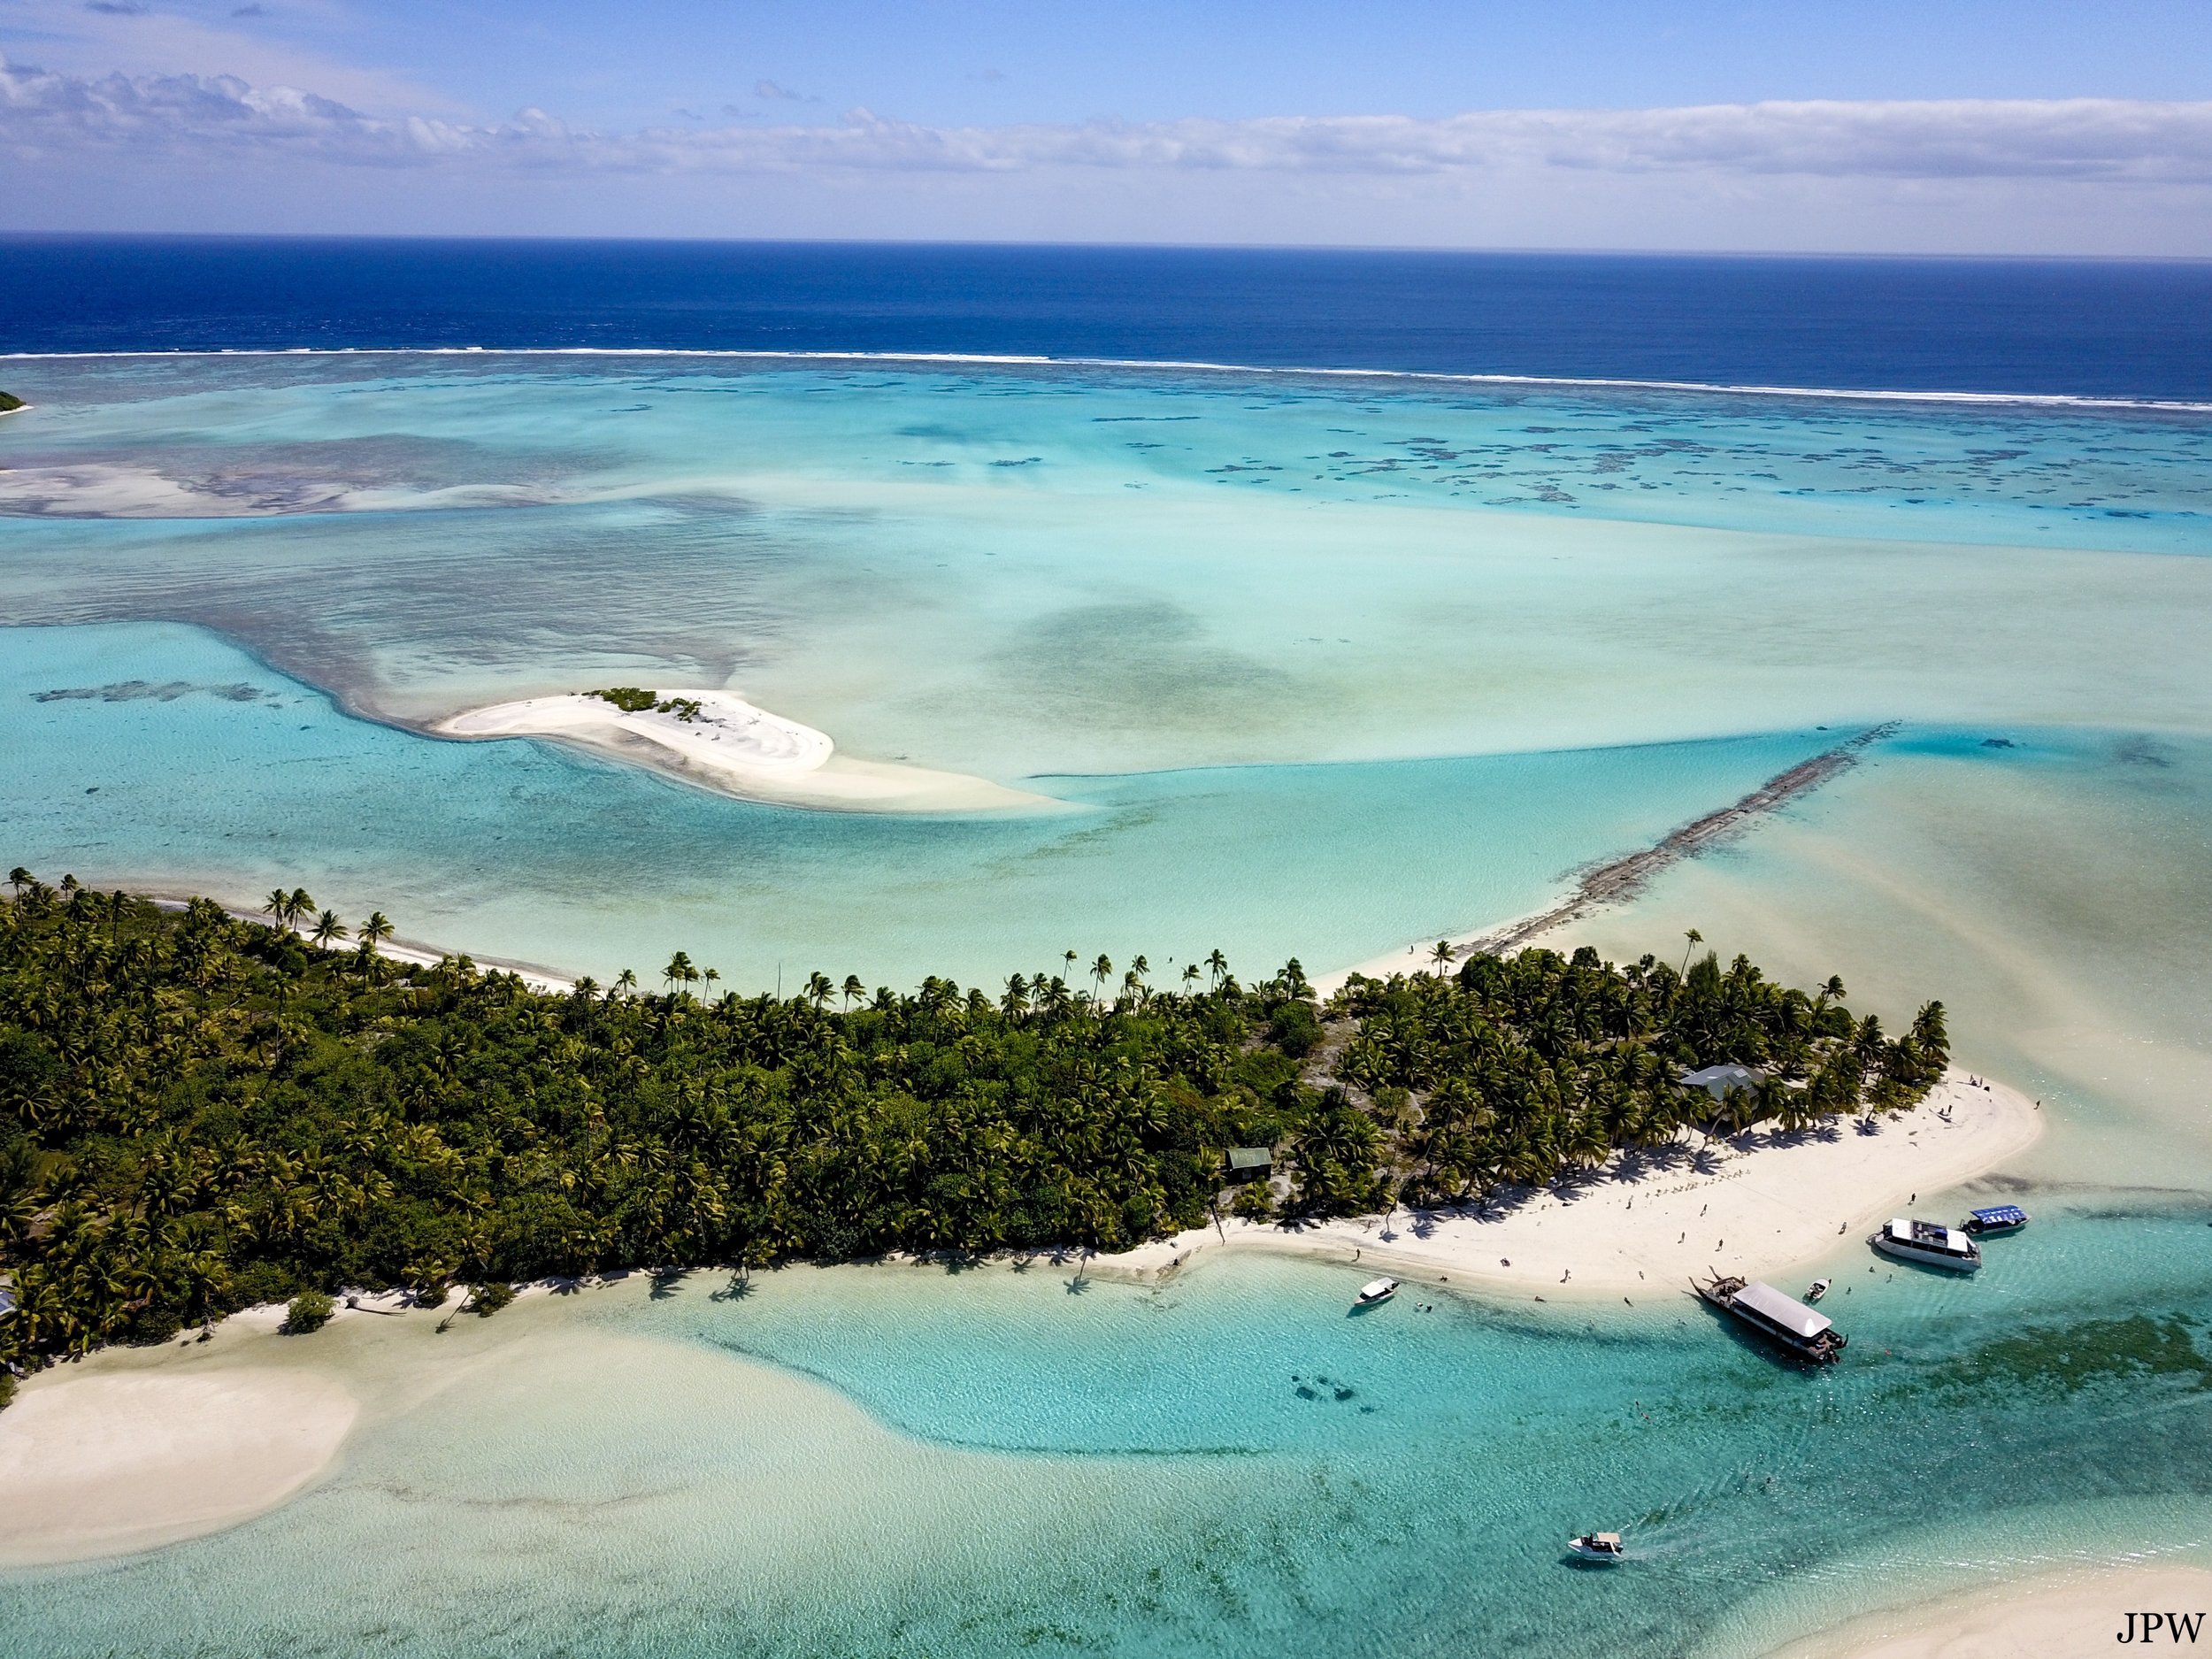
pixel 1781 1319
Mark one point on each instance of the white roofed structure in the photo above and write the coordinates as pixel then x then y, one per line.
pixel 1720 1081
pixel 1785 1311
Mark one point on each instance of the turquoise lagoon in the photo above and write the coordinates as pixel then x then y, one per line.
pixel 896 1461
pixel 1315 666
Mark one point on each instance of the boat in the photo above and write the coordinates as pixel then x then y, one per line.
pixel 1930 1243
pixel 1783 1320
pixel 1605 1547
pixel 2004 1218
pixel 1819 1289
pixel 1375 1290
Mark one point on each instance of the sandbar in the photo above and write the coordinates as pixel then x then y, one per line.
pixel 731 746
pixel 2041 1619
pixel 107 1463
pixel 1763 1204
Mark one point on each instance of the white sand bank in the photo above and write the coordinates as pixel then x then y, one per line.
pixel 732 747
pixel 2057 1617
pixel 1762 1204
pixel 106 1462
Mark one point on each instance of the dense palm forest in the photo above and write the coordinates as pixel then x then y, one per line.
pixel 198 1113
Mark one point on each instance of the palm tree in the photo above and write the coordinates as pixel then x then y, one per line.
pixel 818 989
pixel 375 930
pixel 1217 966
pixel 20 878
pixel 1441 952
pixel 1068 956
pixel 279 906
pixel 1695 939
pixel 297 904
pixel 852 990
pixel 1190 976
pixel 625 982
pixel 679 972
pixel 328 929
pixel 711 975
pixel 1101 971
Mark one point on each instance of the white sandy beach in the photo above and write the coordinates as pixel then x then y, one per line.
pixel 734 747
pixel 2058 1617
pixel 109 1462
pixel 1762 1204
pixel 137 1451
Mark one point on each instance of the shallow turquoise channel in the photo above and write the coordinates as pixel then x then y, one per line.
pixel 1234 1465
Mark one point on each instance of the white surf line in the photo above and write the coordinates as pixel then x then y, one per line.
pixel 2050 400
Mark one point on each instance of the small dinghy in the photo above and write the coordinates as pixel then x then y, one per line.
pixel 1375 1290
pixel 1819 1289
pixel 1605 1547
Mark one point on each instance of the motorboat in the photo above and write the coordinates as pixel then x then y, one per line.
pixel 1375 1290
pixel 1605 1547
pixel 1781 1319
pixel 1819 1289
pixel 2004 1218
pixel 1930 1243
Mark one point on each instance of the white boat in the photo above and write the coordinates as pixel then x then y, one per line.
pixel 1930 1243
pixel 1819 1289
pixel 1604 1546
pixel 1376 1290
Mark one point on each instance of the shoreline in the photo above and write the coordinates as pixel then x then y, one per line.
pixel 1763 1203
pixel 1616 881
pixel 412 953
pixel 2073 1610
pixel 734 748
pixel 147 1448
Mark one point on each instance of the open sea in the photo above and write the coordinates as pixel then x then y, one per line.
pixel 1341 601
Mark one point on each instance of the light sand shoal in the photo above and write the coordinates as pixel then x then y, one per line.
pixel 736 748
pixel 1760 1205
pixel 2058 1617
pixel 105 1464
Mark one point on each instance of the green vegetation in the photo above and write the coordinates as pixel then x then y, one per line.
pixel 309 1310
pixel 1529 1066
pixel 10 402
pixel 199 1113
pixel 635 700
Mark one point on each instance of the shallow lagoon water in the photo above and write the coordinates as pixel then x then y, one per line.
pixel 209 772
pixel 1293 701
pixel 897 1461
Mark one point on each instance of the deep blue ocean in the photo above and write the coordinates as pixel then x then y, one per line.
pixel 2134 329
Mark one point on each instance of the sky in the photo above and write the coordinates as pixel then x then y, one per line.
pixel 1945 126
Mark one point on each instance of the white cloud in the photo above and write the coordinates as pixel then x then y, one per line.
pixel 44 113
pixel 136 38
